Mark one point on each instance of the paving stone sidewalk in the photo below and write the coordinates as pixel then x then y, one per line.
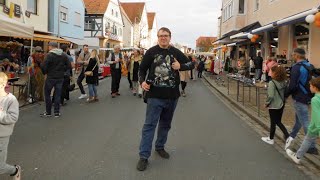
pixel 247 102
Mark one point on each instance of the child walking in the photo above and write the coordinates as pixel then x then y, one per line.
pixel 276 102
pixel 9 113
pixel 314 126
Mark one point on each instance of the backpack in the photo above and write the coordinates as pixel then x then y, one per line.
pixel 312 73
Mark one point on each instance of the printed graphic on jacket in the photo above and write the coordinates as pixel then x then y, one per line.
pixel 164 76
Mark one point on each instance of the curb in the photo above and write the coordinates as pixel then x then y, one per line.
pixel 256 119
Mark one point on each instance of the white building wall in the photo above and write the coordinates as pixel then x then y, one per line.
pixel 127 32
pixel 113 16
pixel 41 16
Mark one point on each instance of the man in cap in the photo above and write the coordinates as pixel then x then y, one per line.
pixel 55 65
pixel 300 92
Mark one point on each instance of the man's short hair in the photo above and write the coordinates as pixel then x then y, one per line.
pixel 166 30
pixel 300 51
pixel 64 47
pixel 85 45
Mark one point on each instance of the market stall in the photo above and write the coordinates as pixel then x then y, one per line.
pixel 12 28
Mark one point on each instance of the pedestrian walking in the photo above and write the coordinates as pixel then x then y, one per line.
pixel 184 78
pixel 258 63
pixel 92 76
pixel 301 95
pixel 55 65
pixel 275 102
pixel 115 59
pixel 9 114
pixel 200 68
pixel 162 62
pixel 134 70
pixel 251 68
pixel 314 127
pixel 83 62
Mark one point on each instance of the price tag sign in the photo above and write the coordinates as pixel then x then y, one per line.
pixel 6 10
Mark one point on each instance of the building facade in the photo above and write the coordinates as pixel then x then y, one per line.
pixel 279 30
pixel 127 30
pixel 67 20
pixel 113 25
pixel 37 11
pixel 103 23
pixel 153 29
pixel 137 14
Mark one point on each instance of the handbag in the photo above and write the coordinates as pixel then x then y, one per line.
pixel 90 73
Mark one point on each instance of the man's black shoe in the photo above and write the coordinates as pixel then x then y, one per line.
pixel 142 164
pixel 162 153
pixel 313 151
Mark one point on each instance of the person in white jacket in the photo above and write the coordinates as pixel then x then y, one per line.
pixel 9 113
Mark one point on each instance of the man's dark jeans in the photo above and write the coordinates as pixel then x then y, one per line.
pixel 158 110
pixel 79 82
pixel 115 80
pixel 49 85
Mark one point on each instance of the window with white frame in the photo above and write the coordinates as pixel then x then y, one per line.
pixel 32 6
pixel 89 24
pixel 2 2
pixel 77 19
pixel 227 11
pixel 256 5
pixel 63 13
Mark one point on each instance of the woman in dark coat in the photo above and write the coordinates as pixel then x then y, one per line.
pixel 93 80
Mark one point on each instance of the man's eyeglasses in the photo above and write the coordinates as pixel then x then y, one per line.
pixel 163 36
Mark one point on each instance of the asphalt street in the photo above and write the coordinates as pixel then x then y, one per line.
pixel 99 141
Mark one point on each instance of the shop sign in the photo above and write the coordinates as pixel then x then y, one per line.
pixel 17 10
pixel 6 10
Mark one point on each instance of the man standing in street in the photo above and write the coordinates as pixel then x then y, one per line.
pixel 301 95
pixel 115 59
pixel 162 62
pixel 55 65
pixel 258 61
pixel 83 61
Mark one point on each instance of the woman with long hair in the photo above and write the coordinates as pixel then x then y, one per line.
pixel 93 79
pixel 275 102
pixel 134 69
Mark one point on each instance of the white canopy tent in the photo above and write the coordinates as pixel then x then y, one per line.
pixel 12 28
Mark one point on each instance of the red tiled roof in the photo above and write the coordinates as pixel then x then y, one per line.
pixel 124 13
pixel 96 6
pixel 205 41
pixel 151 16
pixel 134 10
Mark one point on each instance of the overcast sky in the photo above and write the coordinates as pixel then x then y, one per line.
pixel 187 19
